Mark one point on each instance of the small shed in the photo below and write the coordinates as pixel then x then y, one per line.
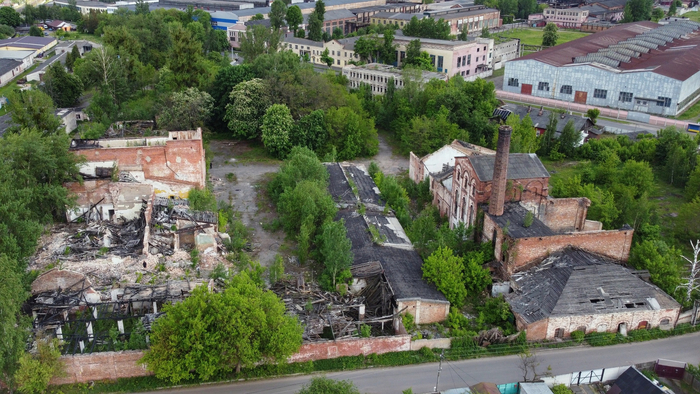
pixel 534 388
pixel 670 369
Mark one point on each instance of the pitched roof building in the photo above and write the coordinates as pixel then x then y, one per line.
pixel 641 66
pixel 389 255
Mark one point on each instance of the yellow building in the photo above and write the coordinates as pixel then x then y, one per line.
pixel 37 44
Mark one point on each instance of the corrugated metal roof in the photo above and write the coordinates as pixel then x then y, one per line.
pixel 520 166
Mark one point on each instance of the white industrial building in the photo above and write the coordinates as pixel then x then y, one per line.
pixel 641 66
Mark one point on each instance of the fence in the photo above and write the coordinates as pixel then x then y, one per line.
pixel 692 380
pixel 607 112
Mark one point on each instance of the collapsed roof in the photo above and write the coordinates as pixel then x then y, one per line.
pixel 575 282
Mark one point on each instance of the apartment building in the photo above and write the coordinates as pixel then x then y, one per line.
pixel 378 76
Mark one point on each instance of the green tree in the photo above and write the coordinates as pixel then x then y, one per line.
pixel 427 135
pixel 593 114
pixel 121 39
pixel 35 31
pixel 32 109
pixel 661 260
pixel 257 17
pixel 524 136
pixel 186 110
pixel 476 277
pixel 352 134
pixel 294 18
pixel 427 28
pixel 310 131
pixel 259 40
pixel 278 12
pixel 366 47
pixel 561 389
pixel 445 270
pixel 637 175
pixel 526 7
pixel 211 333
pixel 485 32
pixel 13 323
pixel 334 248
pixel 637 10
pixel 142 7
pixel 185 60
pixel 35 371
pixel 248 103
pixel 692 188
pixel 338 33
pixel 326 58
pixel 63 88
pixel 687 224
pixel 569 139
pixel 106 69
pixel 301 164
pixel 276 127
pixel 387 51
pixel 72 57
pixel 672 9
pixel 10 17
pixel 226 79
pixel 308 203
pixel 657 14
pixel 547 141
pixel 320 10
pixel 550 36
pixel 315 27
pixel 323 385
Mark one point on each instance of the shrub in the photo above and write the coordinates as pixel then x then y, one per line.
pixel 408 322
pixel 365 331
pixel 577 336
pixel 427 353
pixel 35 371
pixel 202 200
pixel 276 272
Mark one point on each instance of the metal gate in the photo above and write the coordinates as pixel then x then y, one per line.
pixel 587 377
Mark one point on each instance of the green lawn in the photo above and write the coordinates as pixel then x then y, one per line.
pixel 691 113
pixel 692 15
pixel 534 36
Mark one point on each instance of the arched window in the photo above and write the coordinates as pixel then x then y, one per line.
pixel 643 325
pixel 559 333
pixel 665 322
pixel 582 329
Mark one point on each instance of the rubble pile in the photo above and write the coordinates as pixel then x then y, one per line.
pixel 323 314
pixel 98 238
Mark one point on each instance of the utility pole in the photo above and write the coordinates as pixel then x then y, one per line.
pixel 437 383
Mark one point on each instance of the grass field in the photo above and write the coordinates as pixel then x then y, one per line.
pixel 692 15
pixel 691 113
pixel 534 36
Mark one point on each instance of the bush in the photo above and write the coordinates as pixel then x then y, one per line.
pixel 35 371
pixel 365 331
pixel 408 322
pixel 577 336
pixel 561 389
pixel 202 200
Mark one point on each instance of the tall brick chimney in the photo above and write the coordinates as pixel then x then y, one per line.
pixel 500 172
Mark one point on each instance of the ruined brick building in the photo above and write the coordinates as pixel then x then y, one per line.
pixel 505 197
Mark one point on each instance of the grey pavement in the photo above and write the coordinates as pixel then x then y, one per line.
pixel 421 378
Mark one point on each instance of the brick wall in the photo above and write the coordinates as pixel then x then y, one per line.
pixel 566 214
pixel 609 322
pixel 351 347
pixel 425 312
pixel 442 198
pixel 415 168
pixel 101 366
pixel 438 343
pixel 614 244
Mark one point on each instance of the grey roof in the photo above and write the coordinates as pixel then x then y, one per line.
pixel 338 186
pixel 513 218
pixel 534 388
pixel 7 65
pixel 633 381
pixel 366 188
pixel 302 41
pixel 333 15
pixel 397 15
pixel 45 65
pixel 303 6
pixel 459 14
pixel 349 43
pixel 402 267
pixel 520 166
pixel 541 121
pixel 574 282
pixel 28 41
pixel 5 123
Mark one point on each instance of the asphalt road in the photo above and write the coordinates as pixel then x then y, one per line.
pixel 465 373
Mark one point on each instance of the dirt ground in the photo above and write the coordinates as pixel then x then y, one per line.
pixel 243 194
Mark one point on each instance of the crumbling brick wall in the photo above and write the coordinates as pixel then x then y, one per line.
pixel 415 168
pixel 83 368
pixel 442 198
pixel 351 347
pixel 425 312
pixel 566 214
pixel 614 244
pixel 545 329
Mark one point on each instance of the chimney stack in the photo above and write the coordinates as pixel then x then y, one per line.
pixel 500 172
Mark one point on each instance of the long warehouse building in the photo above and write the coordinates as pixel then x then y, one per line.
pixel 642 66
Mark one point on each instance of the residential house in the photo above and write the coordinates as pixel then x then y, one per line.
pixel 541 117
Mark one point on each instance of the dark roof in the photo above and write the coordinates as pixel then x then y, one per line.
pixel 7 65
pixel 333 15
pixel 367 189
pixel 513 218
pixel 575 282
pixel 302 41
pixel 27 41
pixel 611 3
pixel 338 186
pixel 541 121
pixel 634 382
pixel 520 166
pixel 678 59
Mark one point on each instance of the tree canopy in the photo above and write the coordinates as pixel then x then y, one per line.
pixel 210 333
